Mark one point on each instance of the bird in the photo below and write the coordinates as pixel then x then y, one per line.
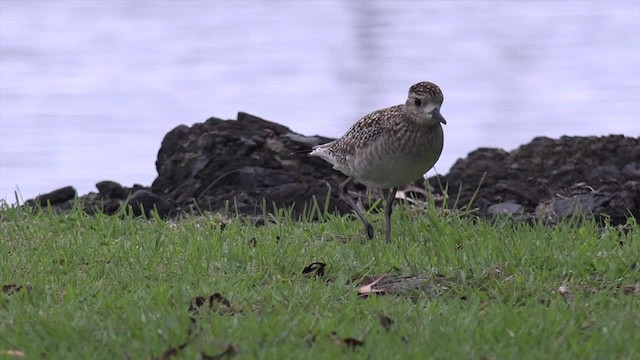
pixel 389 148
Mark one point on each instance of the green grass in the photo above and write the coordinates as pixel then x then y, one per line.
pixel 109 287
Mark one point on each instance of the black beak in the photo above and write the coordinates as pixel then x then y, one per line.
pixel 436 115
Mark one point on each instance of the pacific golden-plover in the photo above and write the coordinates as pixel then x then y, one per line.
pixel 390 147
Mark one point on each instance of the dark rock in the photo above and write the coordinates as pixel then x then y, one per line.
pixel 505 208
pixel 135 188
pixel 547 170
pixel 251 165
pixel 143 202
pixel 605 173
pixel 108 201
pixel 245 166
pixel 588 204
pixel 95 203
pixel 54 198
pixel 253 121
pixel 632 170
pixel 111 189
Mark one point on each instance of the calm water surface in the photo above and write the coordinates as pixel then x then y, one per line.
pixel 89 88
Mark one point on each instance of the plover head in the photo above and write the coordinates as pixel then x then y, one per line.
pixel 424 102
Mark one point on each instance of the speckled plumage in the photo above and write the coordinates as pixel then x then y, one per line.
pixel 390 147
pixel 368 129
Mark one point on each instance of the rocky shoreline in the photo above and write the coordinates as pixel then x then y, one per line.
pixel 250 165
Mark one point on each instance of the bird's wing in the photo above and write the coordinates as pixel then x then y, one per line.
pixel 366 130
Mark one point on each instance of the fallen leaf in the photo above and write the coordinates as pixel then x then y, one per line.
pixel 386 322
pixel 11 289
pixel 495 272
pixel 12 353
pixel 216 302
pixel 350 343
pixel 196 303
pixel 224 222
pixel 432 284
pixel 353 343
pixel 218 298
pixel 368 289
pixel 631 289
pixel 314 269
pixel 564 291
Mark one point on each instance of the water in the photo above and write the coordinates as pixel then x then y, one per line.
pixel 89 88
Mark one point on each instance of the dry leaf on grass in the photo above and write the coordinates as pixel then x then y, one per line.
pixel 432 285
pixel 315 268
pixel 386 322
pixel 368 289
pixel 631 289
pixel 216 302
pixel 11 289
pixel 12 353
pixel 349 342
pixel 564 292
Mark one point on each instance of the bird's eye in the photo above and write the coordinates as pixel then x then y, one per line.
pixel 418 102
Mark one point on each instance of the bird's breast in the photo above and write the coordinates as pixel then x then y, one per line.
pixel 399 160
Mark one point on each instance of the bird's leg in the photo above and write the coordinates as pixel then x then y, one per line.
pixel 344 194
pixel 387 212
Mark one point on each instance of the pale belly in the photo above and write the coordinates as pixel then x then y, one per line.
pixel 389 169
